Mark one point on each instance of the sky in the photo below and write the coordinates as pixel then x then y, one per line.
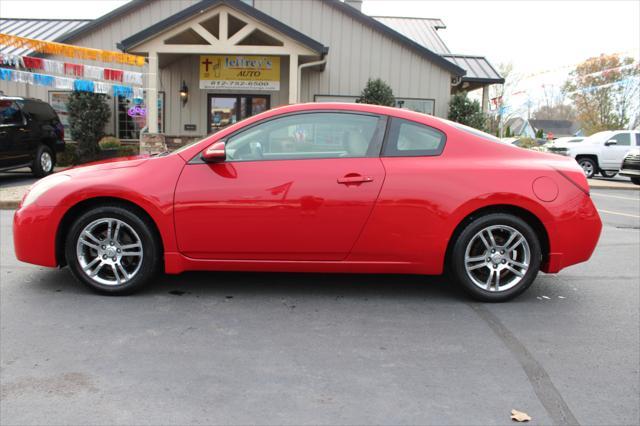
pixel 542 39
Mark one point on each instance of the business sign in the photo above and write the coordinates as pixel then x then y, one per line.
pixel 237 72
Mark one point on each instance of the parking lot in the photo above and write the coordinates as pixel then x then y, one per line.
pixel 237 348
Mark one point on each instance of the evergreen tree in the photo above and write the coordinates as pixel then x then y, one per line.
pixel 465 111
pixel 377 92
pixel 88 114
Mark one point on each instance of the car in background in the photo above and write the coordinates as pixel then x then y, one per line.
pixel 30 135
pixel 631 166
pixel 562 145
pixel 603 152
pixel 319 187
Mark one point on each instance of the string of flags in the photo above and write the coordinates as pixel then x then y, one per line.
pixel 51 66
pixel 69 51
pixel 68 83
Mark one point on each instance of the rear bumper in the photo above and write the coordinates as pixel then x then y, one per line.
pixel 59 145
pixel 573 238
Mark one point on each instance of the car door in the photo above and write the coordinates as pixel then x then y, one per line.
pixel 295 187
pixel 613 154
pixel 12 135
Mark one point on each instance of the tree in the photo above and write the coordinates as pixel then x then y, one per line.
pixel 555 112
pixel 604 90
pixel 377 92
pixel 500 95
pixel 540 134
pixel 88 114
pixel 465 111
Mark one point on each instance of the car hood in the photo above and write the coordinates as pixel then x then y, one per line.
pixel 112 163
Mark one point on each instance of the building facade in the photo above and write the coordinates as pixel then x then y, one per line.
pixel 214 62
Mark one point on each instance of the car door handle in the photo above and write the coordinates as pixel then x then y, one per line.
pixel 354 178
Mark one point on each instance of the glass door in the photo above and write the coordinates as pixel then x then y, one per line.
pixel 224 110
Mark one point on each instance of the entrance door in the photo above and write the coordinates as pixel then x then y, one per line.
pixel 224 110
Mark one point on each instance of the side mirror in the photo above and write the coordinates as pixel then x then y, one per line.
pixel 215 153
pixel 611 142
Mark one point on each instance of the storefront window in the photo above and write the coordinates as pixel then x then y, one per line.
pixel 229 109
pixel 425 106
pixel 58 101
pixel 131 115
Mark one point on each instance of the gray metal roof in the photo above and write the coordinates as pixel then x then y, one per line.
pixel 41 29
pixel 478 68
pixel 421 30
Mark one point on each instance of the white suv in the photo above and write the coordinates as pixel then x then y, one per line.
pixel 603 152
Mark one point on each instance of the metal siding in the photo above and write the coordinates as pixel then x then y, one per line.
pixel 409 74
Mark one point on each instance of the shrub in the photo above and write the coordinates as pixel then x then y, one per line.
pixel 127 151
pixel 528 143
pixel 109 142
pixel 540 134
pixel 69 157
pixel 465 111
pixel 377 92
pixel 88 114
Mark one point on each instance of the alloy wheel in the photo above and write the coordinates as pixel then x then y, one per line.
pixel 587 168
pixel 497 258
pixel 46 162
pixel 109 251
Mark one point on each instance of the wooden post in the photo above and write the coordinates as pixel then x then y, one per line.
pixel 152 94
pixel 293 78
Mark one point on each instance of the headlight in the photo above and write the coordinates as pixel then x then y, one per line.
pixel 43 186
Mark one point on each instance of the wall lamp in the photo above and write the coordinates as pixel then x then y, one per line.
pixel 184 93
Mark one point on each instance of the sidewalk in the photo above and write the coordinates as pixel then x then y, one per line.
pixel 10 196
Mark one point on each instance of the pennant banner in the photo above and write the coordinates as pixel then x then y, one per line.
pixel 53 48
pixel 65 68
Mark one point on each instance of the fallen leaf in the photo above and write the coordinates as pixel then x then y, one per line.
pixel 519 416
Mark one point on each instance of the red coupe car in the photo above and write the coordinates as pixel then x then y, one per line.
pixel 318 188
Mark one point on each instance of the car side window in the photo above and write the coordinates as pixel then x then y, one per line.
pixel 623 139
pixel 637 139
pixel 308 136
pixel 411 139
pixel 10 113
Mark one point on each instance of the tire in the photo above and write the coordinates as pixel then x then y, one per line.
pixel 44 162
pixel 469 246
pixel 589 166
pixel 138 264
pixel 608 174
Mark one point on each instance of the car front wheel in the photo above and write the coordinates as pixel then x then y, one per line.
pixel 44 161
pixel 589 167
pixel 608 174
pixel 496 257
pixel 113 250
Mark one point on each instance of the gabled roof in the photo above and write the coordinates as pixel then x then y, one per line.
pixel 41 29
pixel 421 30
pixel 199 7
pixel 401 38
pixel 479 70
pixel 114 14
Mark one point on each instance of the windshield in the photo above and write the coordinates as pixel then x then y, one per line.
pixel 598 137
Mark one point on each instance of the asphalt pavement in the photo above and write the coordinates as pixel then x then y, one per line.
pixel 237 348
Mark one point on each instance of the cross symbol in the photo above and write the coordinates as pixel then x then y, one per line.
pixel 206 64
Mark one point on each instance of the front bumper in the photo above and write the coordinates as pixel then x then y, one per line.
pixel 34 235
pixel 629 173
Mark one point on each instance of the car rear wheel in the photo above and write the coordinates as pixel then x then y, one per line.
pixel 44 161
pixel 589 167
pixel 113 250
pixel 608 174
pixel 496 257
pixel 635 180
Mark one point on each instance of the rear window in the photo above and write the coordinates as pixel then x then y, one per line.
pixel 411 139
pixel 39 110
pixel 10 113
pixel 475 132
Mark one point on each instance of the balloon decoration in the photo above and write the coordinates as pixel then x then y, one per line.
pixel 69 51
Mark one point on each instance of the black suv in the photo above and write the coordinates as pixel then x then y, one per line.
pixel 30 135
